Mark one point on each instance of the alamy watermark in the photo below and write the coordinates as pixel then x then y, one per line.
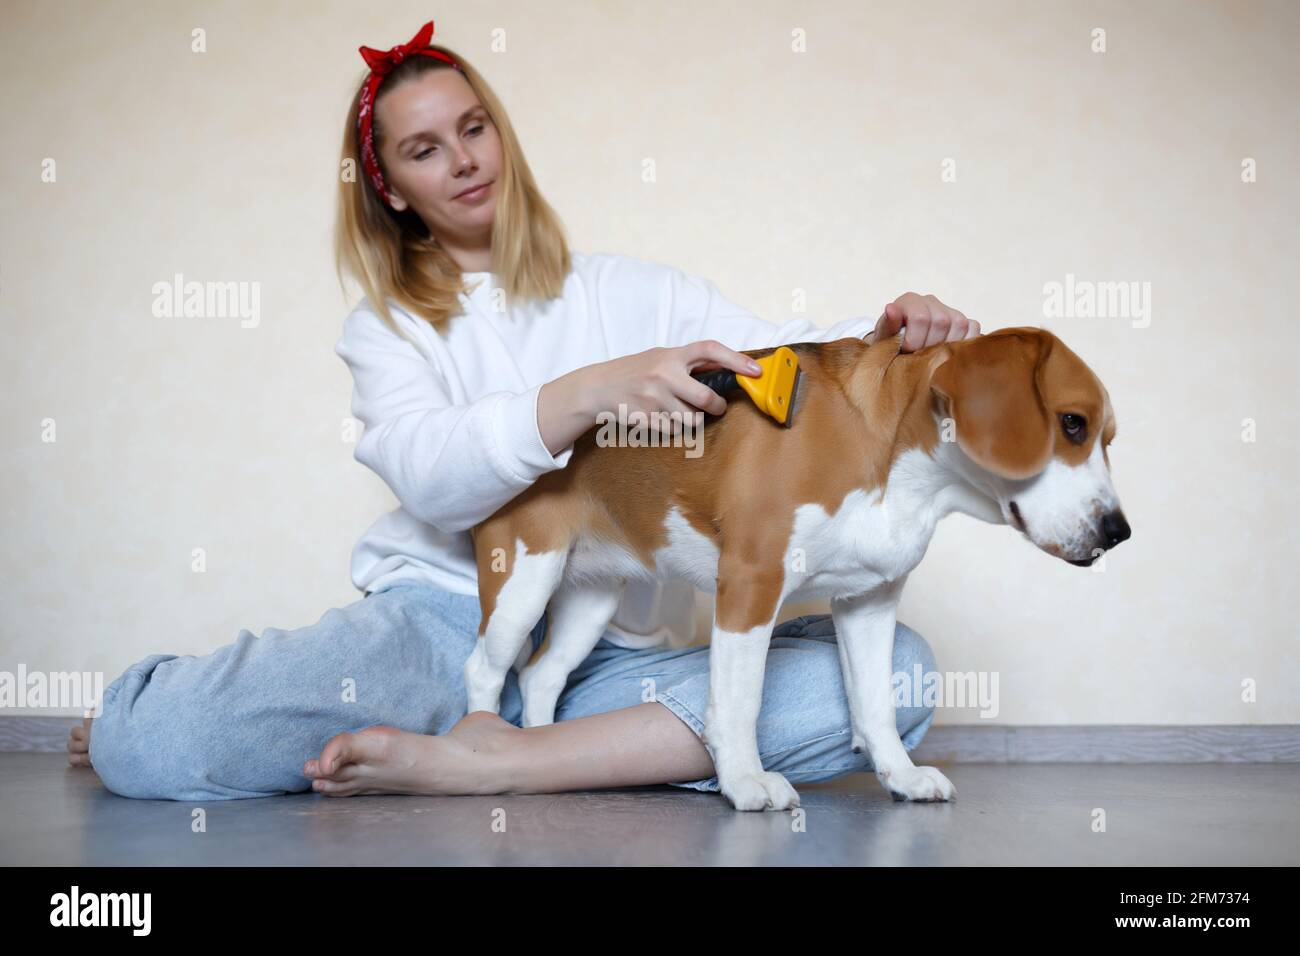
pixel 651 429
pixel 61 690
pixel 922 688
pixel 75 908
pixel 208 300
pixel 1086 299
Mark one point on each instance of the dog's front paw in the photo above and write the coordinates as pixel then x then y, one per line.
pixel 762 790
pixel 922 784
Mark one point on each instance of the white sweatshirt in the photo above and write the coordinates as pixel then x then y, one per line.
pixel 451 422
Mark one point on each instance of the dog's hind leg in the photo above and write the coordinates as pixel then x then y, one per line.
pixel 575 621
pixel 516 605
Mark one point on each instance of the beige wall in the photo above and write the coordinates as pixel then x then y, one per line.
pixel 780 174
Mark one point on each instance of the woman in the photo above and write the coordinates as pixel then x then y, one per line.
pixel 483 348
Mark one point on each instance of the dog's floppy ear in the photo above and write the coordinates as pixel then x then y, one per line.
pixel 992 386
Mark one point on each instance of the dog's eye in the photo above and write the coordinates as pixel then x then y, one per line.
pixel 1075 427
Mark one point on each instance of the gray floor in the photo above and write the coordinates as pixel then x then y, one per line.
pixel 1170 814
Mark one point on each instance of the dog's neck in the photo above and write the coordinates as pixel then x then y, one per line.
pixel 891 391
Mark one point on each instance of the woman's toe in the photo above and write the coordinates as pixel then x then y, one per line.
pixel 333 788
pixel 350 750
pixel 337 753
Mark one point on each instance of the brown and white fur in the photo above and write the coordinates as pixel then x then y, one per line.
pixel 840 506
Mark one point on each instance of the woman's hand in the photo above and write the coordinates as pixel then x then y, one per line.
pixel 927 320
pixel 656 380
pixel 659 379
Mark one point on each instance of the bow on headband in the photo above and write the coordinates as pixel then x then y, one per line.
pixel 382 63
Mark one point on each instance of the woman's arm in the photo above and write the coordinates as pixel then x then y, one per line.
pixel 451 466
pixel 699 319
pixel 697 309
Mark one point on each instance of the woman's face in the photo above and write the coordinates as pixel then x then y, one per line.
pixel 439 141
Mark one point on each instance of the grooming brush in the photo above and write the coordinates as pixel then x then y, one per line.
pixel 773 390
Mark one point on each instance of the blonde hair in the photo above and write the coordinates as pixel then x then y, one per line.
pixel 392 254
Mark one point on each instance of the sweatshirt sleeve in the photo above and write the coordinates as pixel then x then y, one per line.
pixel 451 466
pixel 694 309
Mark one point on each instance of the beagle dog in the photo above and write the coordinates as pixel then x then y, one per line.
pixel 1010 427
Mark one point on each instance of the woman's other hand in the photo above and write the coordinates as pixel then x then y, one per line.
pixel 927 321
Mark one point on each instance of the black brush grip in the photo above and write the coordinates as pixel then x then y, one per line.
pixel 721 380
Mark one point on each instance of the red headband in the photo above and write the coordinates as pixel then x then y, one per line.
pixel 381 64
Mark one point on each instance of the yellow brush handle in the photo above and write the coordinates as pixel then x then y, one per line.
pixel 773 390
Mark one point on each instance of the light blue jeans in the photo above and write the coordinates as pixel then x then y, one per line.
pixel 241 721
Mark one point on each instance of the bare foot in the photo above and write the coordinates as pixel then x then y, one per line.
pixel 79 744
pixel 467 759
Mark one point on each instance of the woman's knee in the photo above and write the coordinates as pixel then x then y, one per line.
pixel 812 659
pixel 150 745
pixel 824 730
pixel 124 746
pixel 911 649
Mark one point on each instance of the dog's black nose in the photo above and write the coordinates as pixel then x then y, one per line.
pixel 1115 529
